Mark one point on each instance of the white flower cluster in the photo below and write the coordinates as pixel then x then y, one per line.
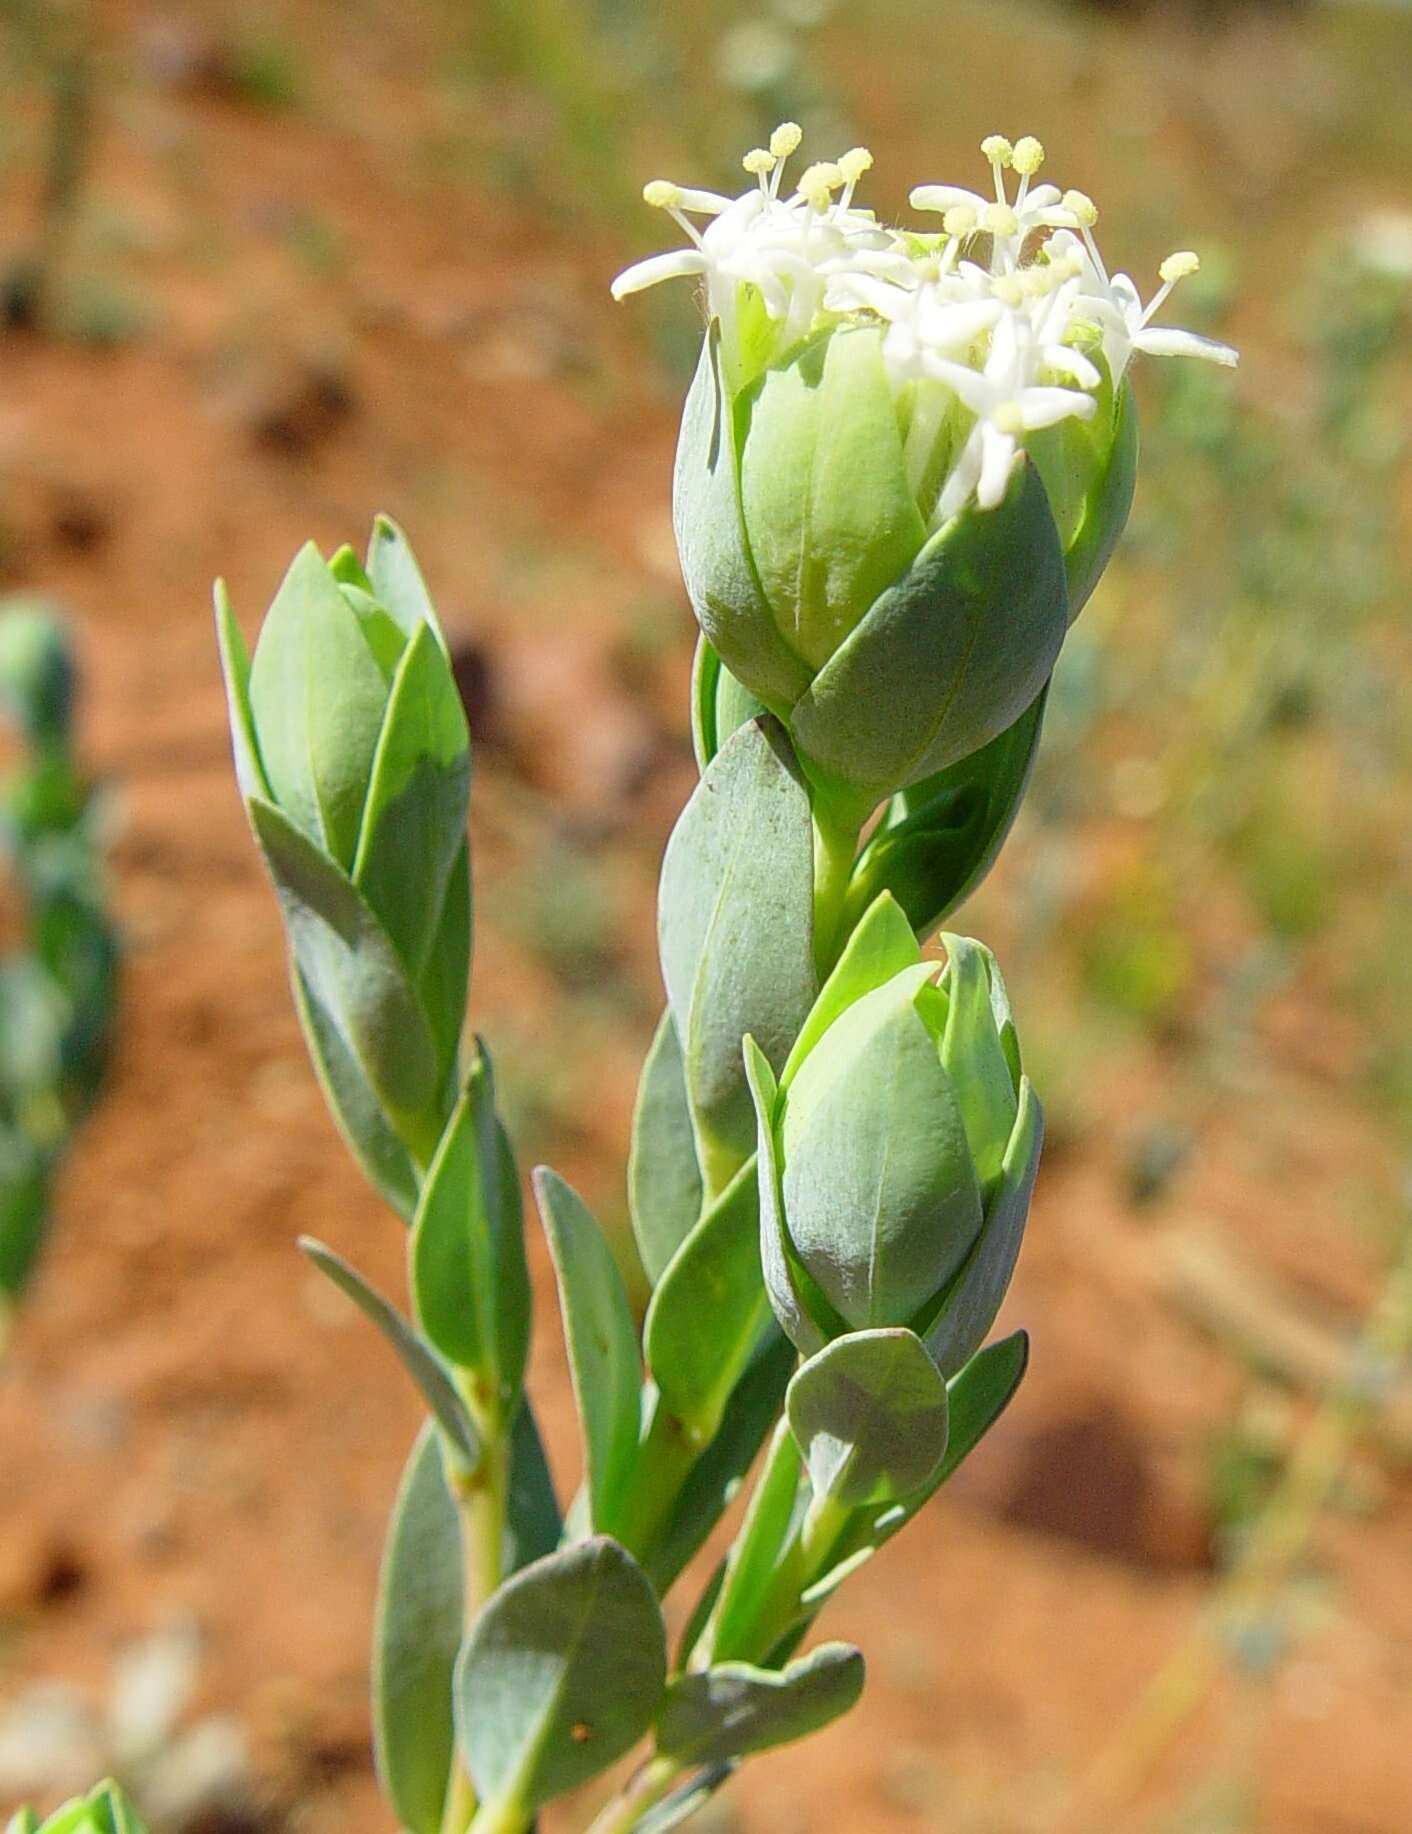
pixel 1009 307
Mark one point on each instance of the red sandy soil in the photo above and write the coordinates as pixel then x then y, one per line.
pixel 190 1424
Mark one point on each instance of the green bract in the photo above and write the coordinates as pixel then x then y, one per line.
pixel 898 1151
pixel 354 759
pixel 890 648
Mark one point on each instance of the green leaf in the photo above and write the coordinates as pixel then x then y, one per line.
pixel 602 1344
pixel 869 1413
pixel 716 564
pixel 684 1801
pixel 417 1356
pixel 26 1191
pixel 1108 504
pixel 396 579
pixel 720 706
pixel 881 945
pixel 664 1180
pixel 470 1283
pixel 235 666
pixel 385 1161
pixel 974 1057
pixel 735 1709
pixel 445 980
pixel 735 930
pixel 717 1475
pixel 416 1636
pixel 947 658
pixel 414 823
pixel 317 699
pixel 533 1526
pixel 561 1674
pixel 710 1308
pixel 975 1295
pixel 350 967
pixel 941 837
pixel 782 1279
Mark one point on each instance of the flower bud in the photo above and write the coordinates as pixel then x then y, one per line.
pixel 898 1152
pixel 354 759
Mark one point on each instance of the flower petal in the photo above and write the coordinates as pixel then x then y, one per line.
pixel 658 267
pixel 1173 343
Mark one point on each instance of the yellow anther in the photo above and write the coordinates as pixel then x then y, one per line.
pixel 854 164
pixel 998 150
pixel 662 194
pixel 1001 220
pixel 1028 156
pixel 759 160
pixel 817 183
pixel 1008 419
pixel 1007 289
pixel 1081 207
pixel 1036 282
pixel 1179 266
pixel 960 220
pixel 785 139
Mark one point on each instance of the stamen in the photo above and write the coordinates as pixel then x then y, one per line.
pixel 1179 266
pixel 786 139
pixel 759 162
pixel 1001 220
pixel 662 194
pixel 1027 156
pixel 1082 207
pixel 961 220
pixel 817 184
pixel 855 163
pixel 998 150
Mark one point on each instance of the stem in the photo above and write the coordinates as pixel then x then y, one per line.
pixel 640 1793
pixel 668 1451
pixel 835 849
pixel 480 1503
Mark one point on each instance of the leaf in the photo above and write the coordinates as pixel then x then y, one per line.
pixel 349 965
pixel 782 1281
pixel 235 667
pixel 948 657
pixel 975 1295
pixel 869 1413
pixel 719 704
pixel 417 1356
pixel 717 1475
pixel 533 1526
pixel 684 1802
pixel 602 1344
pixel 397 581
pixel 414 822
pixel 562 1672
pixel 735 931
pixel 317 699
pixel 1109 503
pixel 445 980
pixel 941 837
pixel 709 1308
pixel 469 1279
pixel 664 1180
pixel 735 1709
pixel 416 1636
pixel 880 946
pixel 385 1161
pixel 26 1191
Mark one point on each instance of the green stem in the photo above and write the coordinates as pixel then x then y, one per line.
pixel 835 850
pixel 669 1450
pixel 640 1793
pixel 481 1501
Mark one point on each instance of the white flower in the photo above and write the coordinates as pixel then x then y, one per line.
pixel 1116 308
pixel 1008 222
pixel 1007 401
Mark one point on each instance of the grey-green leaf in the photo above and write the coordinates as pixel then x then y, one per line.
pixel 416 1636
pixel 735 930
pixel 418 1358
pixel 870 1415
pixel 710 1308
pixel 735 1709
pixel 351 967
pixel 664 1180
pixel 397 581
pixel 533 1525
pixel 561 1674
pixel 602 1344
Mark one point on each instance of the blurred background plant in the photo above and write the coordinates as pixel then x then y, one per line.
pixel 363 253
pixel 59 961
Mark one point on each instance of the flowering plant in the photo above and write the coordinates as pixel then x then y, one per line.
pixel 903 462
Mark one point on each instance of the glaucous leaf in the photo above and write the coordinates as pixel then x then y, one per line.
pixel 731 1710
pixel 869 1413
pixel 664 1180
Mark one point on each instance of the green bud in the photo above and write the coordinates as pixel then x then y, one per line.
pixel 898 1150
pixel 353 755
pixel 893 648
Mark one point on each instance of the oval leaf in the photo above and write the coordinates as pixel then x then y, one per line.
pixel 870 1415
pixel 735 1709
pixel 664 1180
pixel 561 1674
pixel 416 1636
